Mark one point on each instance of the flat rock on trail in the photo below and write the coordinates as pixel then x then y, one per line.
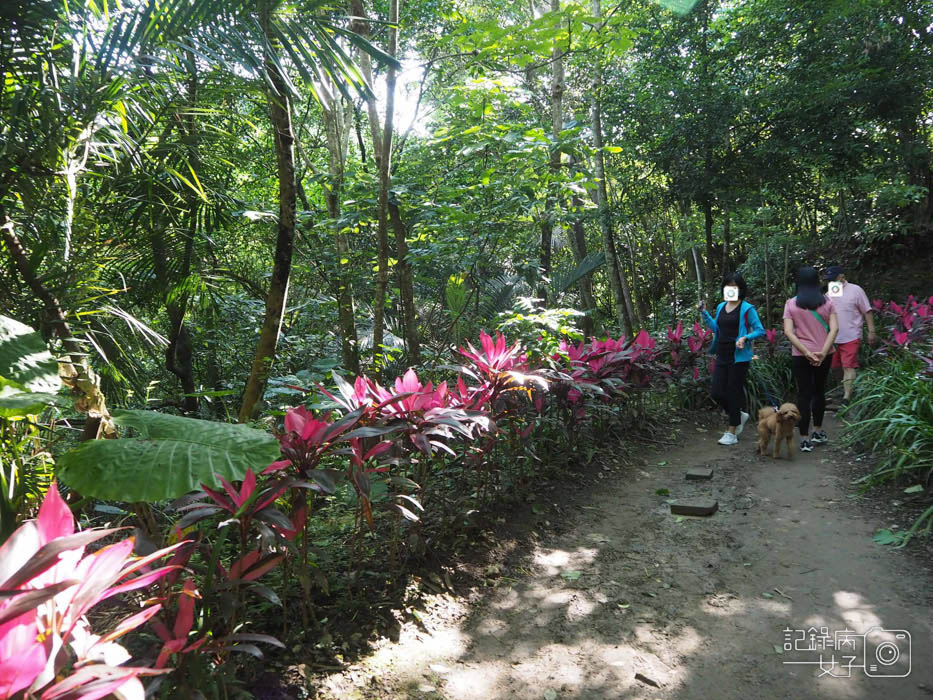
pixel 633 602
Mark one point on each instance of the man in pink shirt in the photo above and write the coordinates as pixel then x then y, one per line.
pixel 852 308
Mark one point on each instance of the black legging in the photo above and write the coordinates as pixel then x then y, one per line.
pixel 811 390
pixel 729 388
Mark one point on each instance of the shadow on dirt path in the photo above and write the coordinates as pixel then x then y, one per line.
pixel 702 608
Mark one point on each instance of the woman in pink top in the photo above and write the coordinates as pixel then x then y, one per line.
pixel 811 325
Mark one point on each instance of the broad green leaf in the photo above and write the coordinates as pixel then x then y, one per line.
pixel 15 404
pixel 172 456
pixel 916 488
pixel 25 359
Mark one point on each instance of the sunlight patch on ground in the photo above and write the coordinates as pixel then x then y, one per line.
pixel 491 626
pixel 509 601
pixel 556 561
pixel 775 607
pixel 479 682
pixel 555 599
pixel 855 611
pixel 580 608
pixel 724 605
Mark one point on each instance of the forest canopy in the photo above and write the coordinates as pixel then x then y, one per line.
pixel 197 187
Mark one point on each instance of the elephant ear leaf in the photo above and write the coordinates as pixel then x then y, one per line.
pixel 25 361
pixel 29 377
pixel 169 457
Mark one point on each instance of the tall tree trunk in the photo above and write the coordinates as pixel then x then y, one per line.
pixel 578 245
pixel 336 131
pixel 916 162
pixel 673 265
pixel 640 313
pixel 726 241
pixel 403 270
pixel 405 283
pixel 211 366
pixel 706 14
pixel 767 283
pixel 361 27
pixel 621 294
pixel 178 351
pixel 385 182
pixel 77 373
pixel 548 218
pixel 785 282
pixel 708 229
pixel 178 354
pixel 280 116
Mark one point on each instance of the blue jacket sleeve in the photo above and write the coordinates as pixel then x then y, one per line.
pixel 710 321
pixel 757 330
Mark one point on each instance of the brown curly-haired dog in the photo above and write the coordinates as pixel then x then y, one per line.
pixel 781 424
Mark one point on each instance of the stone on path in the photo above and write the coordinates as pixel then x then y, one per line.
pixel 695 508
pixel 698 473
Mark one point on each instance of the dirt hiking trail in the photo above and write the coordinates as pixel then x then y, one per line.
pixel 697 607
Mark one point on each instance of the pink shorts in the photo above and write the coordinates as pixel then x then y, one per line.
pixel 846 355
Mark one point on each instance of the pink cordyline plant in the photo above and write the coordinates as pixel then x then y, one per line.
pixel 644 340
pixel 496 357
pixel 308 439
pixel 410 396
pixel 47 647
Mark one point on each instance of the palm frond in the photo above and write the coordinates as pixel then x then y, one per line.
pixel 499 294
pixel 563 281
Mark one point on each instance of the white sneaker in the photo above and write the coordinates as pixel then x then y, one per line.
pixel 728 439
pixel 741 426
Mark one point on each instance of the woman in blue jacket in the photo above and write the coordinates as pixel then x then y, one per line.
pixel 736 324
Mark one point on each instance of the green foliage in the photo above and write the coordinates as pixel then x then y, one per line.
pixel 28 382
pixel 769 375
pixel 25 361
pixel 893 417
pixel 171 456
pixel 540 330
pixel 16 404
pixel 136 165
pixel 679 6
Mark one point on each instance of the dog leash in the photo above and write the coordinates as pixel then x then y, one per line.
pixel 774 404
